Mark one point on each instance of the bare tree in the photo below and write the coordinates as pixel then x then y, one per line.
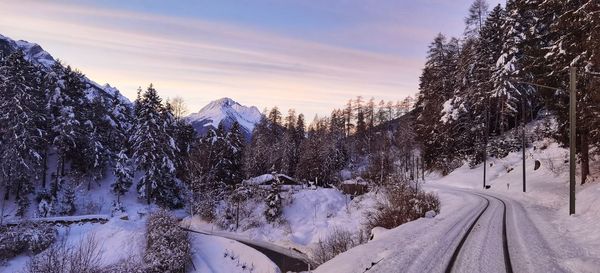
pixel 179 107
pixel 474 21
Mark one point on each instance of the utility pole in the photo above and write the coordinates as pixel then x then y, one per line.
pixel 485 142
pixel 572 132
pixel 572 137
pixel 523 136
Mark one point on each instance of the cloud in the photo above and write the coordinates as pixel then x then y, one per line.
pixel 202 60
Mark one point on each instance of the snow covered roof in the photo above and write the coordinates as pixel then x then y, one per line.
pixel 355 181
pixel 267 178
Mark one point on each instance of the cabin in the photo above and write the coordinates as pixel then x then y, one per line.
pixel 266 180
pixel 354 187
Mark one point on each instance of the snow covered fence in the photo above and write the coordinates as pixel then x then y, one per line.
pixel 66 220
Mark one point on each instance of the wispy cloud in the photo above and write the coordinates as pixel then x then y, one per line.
pixel 203 60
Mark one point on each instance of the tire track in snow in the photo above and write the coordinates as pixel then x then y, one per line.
pixel 464 238
pixel 506 254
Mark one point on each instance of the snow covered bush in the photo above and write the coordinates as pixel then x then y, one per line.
pixel 401 204
pixel 338 240
pixel 128 265
pixel 501 146
pixel 244 209
pixel 83 257
pixel 33 237
pixel 44 200
pixel 116 208
pixel 168 247
pixel 274 207
pixel 38 236
pixel 64 204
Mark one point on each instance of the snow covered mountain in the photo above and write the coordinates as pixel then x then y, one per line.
pixel 36 54
pixel 227 111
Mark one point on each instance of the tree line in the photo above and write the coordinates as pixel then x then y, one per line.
pixel 473 89
pixel 59 134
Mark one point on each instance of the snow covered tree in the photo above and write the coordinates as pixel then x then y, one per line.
pixel 154 151
pixel 436 88
pixel 323 153
pixel 235 152
pixel 509 67
pixel 123 175
pixel 23 141
pixel 574 36
pixel 274 207
pixel 478 105
pixel 69 109
pixel 266 151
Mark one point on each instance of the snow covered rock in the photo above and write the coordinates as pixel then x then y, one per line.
pixel 430 214
pixel 376 232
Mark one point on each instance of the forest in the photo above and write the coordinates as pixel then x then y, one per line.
pixel 473 89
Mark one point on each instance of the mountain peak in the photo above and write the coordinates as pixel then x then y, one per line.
pixel 228 111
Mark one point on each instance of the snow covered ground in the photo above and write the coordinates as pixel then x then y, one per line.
pixel 220 255
pixel 308 218
pixel 542 237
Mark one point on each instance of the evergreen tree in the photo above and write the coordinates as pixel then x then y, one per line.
pixel 22 140
pixel 236 141
pixel 154 151
pixel 436 88
pixel 575 44
pixel 509 67
pixel 274 206
pixel 67 110
pixel 123 175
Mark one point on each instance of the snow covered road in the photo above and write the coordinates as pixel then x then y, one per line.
pixel 467 236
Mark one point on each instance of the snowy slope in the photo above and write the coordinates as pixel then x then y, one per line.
pixel 36 54
pixel 33 52
pixel 542 237
pixel 227 111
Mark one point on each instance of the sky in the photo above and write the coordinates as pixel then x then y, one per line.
pixel 308 55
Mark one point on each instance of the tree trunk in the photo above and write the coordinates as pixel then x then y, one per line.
pixel 585 156
pixel 45 168
pixel 62 166
pixel 148 191
pixel 54 190
pixel 2 208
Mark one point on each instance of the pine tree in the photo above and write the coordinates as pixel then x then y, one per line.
pixel 509 67
pixel 67 112
pixel 290 144
pixel 274 205
pixel 23 141
pixel 123 175
pixel 437 86
pixel 478 103
pixel 575 44
pixel 154 151
pixel 236 141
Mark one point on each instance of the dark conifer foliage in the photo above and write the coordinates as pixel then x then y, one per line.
pixel 23 140
pixel 460 114
pixel 154 150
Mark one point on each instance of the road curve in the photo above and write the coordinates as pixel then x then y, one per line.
pixel 284 259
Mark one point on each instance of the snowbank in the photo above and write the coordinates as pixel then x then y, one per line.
pixel 220 255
